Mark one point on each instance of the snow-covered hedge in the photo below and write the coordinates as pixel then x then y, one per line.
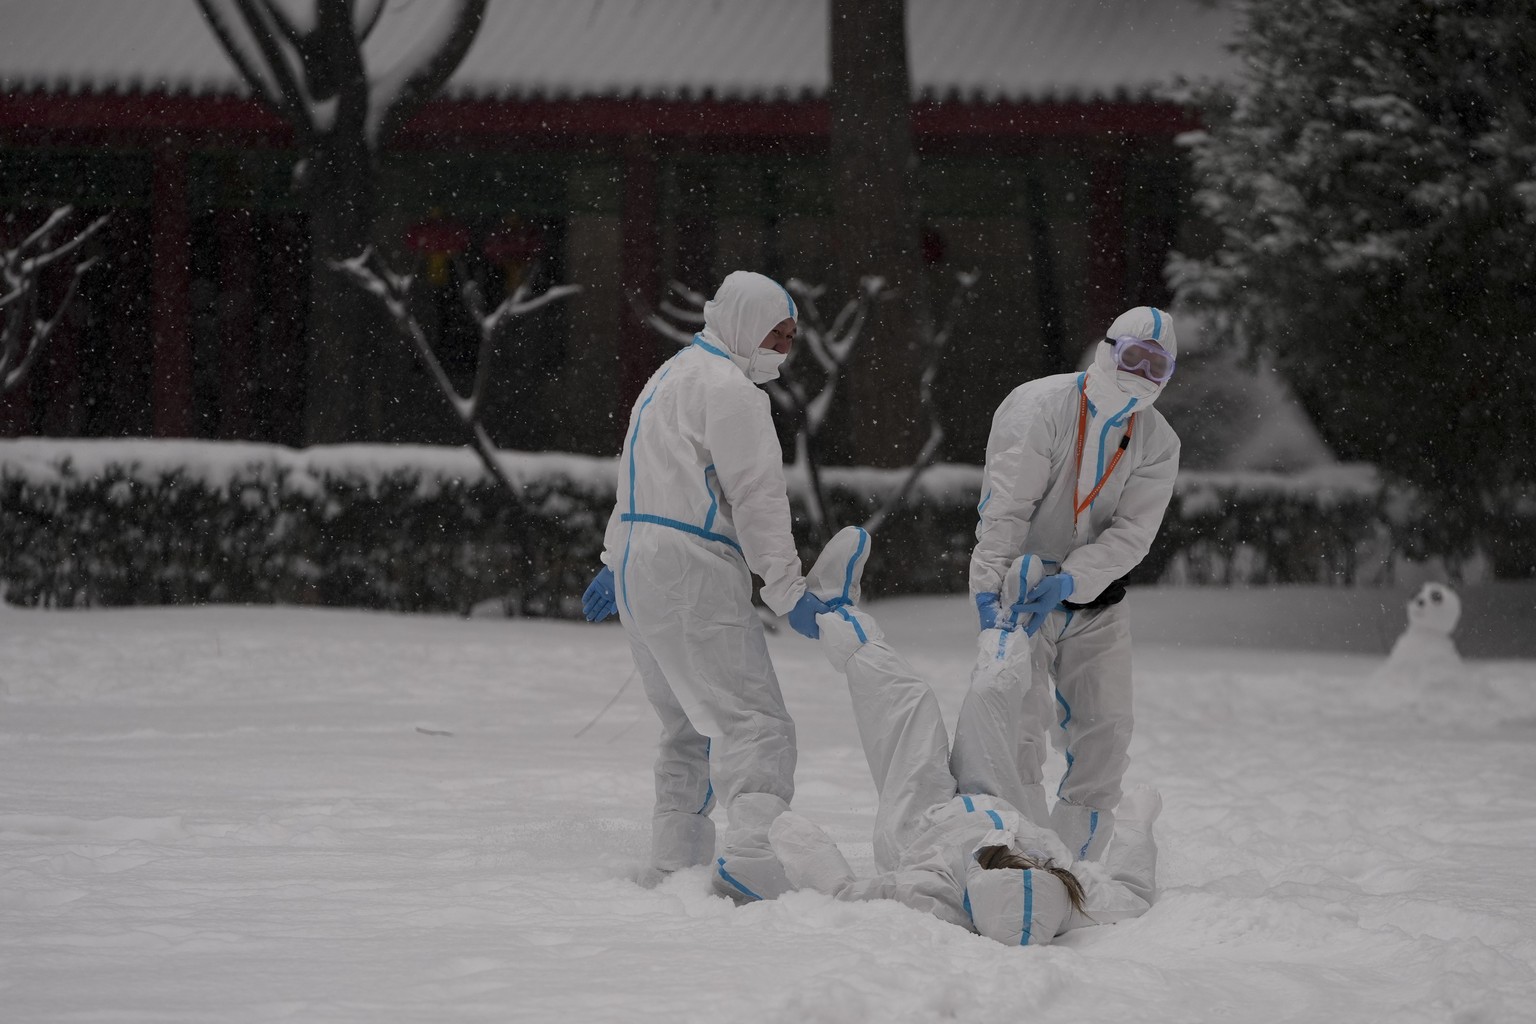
pixel 416 528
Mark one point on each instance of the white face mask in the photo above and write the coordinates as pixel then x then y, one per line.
pixel 764 365
pixel 1135 386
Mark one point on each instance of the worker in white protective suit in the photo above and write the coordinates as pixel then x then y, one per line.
pixel 702 505
pixel 972 860
pixel 1080 468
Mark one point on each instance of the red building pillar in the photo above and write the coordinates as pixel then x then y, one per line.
pixel 171 253
pixel 237 323
pixel 640 266
pixel 1107 239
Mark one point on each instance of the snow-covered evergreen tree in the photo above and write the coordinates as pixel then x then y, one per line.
pixel 1372 177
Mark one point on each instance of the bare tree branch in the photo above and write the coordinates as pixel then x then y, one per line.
pixel 369 272
pixel 217 15
pixel 432 71
pixel 366 18
pixel 23 333
pixel 293 100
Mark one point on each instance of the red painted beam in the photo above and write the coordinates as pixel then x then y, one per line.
pixel 103 116
pixel 93 116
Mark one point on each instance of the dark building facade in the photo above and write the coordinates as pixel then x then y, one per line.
pixel 1065 198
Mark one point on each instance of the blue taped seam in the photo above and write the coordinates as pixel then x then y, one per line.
pixel 1114 421
pixel 970 804
pixel 997 820
pixel 848 573
pixel 709 793
pixel 789 299
pixel 698 339
pixel 858 630
pixel 1157 323
pixel 735 884
pixel 714 503
pixel 1093 826
pixel 677 524
pixel 634 438
pixel 1029 906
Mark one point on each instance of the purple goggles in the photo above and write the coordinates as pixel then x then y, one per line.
pixel 1143 357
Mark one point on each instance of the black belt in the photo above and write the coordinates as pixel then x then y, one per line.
pixel 1112 594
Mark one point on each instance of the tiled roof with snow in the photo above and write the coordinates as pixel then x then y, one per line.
pixel 973 50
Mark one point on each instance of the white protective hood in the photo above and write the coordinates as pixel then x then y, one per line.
pixel 745 308
pixel 1108 386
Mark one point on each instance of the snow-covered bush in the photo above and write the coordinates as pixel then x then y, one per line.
pixel 408 528
pixel 412 529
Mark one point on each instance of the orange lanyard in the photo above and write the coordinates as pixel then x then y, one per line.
pixel 1082 434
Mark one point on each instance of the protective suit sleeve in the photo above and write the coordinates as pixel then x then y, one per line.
pixel 1016 477
pixel 1138 515
pixel 749 463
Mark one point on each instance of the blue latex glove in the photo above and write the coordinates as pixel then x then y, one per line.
pixel 802 617
pixel 987 607
pixel 598 603
pixel 1042 600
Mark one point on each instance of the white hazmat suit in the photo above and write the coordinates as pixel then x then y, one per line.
pixel 1080 469
pixel 702 505
pixel 928 831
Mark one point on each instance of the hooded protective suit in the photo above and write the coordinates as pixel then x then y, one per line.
pixel 927 831
pixel 1035 481
pixel 701 505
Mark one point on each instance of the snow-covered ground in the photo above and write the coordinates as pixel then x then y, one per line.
pixel 277 814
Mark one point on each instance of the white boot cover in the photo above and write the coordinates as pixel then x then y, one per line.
pixel 1086 831
pixel 747 869
pixel 811 859
pixel 837 576
pixel 681 840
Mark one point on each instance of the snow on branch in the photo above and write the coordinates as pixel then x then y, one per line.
pixel 369 272
pixel 25 328
pixel 314 72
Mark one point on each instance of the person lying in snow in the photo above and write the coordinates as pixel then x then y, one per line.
pixel 972 860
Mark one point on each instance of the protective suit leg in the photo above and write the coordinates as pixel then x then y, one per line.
pixel 1093 684
pixel 682 834
pixel 1125 885
pixel 1000 734
pixel 1132 857
pixel 1000 744
pixel 689 606
pixel 901 728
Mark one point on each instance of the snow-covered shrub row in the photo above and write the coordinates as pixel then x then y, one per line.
pixel 414 529
pixel 418 528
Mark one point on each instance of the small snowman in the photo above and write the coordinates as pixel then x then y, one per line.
pixel 1426 643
